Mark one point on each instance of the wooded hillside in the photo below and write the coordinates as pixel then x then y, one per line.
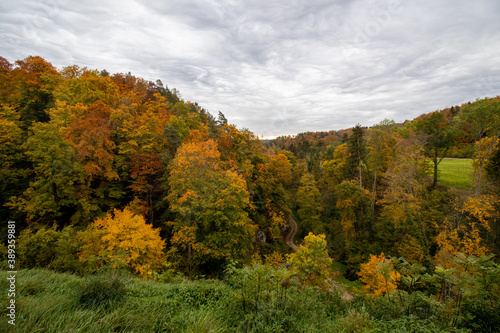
pixel 111 158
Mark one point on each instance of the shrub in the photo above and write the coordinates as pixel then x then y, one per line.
pixel 3 255
pixel 378 275
pixel 483 315
pixel 355 321
pixel 49 248
pixel 37 249
pixel 66 252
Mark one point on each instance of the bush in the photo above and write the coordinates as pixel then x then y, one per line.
pixel 356 320
pixel 37 249
pixel 50 248
pixel 482 315
pixel 3 256
pixel 66 252
pixel 409 324
pixel 102 290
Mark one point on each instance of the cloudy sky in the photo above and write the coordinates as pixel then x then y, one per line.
pixel 276 67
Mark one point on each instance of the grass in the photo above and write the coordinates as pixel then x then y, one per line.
pixel 456 173
pixel 47 301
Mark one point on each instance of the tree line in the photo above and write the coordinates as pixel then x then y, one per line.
pixel 111 169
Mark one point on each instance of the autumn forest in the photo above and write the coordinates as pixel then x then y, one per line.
pixel 111 172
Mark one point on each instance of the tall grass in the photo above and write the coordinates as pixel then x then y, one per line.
pixel 456 173
pixel 53 302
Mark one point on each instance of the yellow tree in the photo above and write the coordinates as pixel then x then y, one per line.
pixel 469 231
pixel 333 169
pixel 403 201
pixel 311 261
pixel 123 238
pixel 212 225
pixel 378 275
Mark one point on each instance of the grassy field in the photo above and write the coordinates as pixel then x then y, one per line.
pixel 53 302
pixel 456 173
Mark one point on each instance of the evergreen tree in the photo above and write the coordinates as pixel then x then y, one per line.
pixel 357 153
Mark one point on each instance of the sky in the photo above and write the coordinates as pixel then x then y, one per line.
pixel 276 67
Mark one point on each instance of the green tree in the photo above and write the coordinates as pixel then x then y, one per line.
pixel 357 154
pixel 309 205
pixel 483 120
pixel 56 189
pixel 212 225
pixel 493 168
pixel 311 261
pixel 35 79
pixel 439 136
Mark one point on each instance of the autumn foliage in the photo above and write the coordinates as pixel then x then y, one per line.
pixel 151 182
pixel 378 275
pixel 123 239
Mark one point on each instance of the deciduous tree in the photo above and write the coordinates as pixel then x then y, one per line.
pixel 378 275
pixel 311 261
pixel 212 223
pixel 124 238
pixel 439 135
pixel 483 119
pixel 310 207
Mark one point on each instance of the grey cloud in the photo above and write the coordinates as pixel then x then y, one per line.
pixel 277 67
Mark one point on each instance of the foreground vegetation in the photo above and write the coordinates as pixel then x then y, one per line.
pixel 111 301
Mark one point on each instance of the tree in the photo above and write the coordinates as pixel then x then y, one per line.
pixel 124 238
pixel 36 80
pixel 472 230
pixel 493 168
pixel 90 136
pixel 378 275
pixel 267 180
pixel 309 205
pixel 381 150
pixel 483 119
pixel 403 199
pixel 353 203
pixel 148 144
pixel 439 136
pixel 357 153
pixel 13 164
pixel 311 261
pixel 334 169
pixel 212 225
pixel 88 88
pixel 56 189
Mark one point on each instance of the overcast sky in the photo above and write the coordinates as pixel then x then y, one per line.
pixel 276 67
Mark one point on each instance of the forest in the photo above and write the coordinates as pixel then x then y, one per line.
pixel 120 187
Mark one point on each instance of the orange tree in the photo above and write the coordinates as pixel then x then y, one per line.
pixel 378 275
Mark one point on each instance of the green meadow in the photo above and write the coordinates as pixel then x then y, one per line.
pixel 456 173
